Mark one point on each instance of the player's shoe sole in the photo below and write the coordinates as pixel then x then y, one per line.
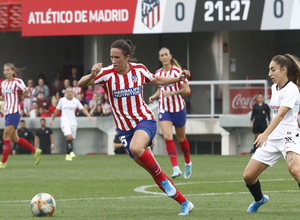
pixel 186 208
pixel 188 170
pixel 253 207
pixel 37 156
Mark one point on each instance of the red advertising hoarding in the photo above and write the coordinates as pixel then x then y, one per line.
pixel 77 17
pixel 243 99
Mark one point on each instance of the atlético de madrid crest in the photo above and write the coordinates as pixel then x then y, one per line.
pixel 150 12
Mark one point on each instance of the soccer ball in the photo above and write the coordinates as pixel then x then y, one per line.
pixel 43 204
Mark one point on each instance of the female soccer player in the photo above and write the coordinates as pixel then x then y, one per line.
pixel 68 123
pixel 282 135
pixel 172 111
pixel 258 122
pixel 10 89
pixel 123 82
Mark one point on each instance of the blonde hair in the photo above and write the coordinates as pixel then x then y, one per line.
pixel 173 61
pixel 17 71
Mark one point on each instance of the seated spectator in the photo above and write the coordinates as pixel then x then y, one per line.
pixel 89 94
pixel 76 89
pixel 119 149
pixel 43 102
pixel 52 107
pixel 96 110
pixel 74 75
pixel 61 92
pixel 80 113
pixel 106 108
pixel 41 87
pixel 81 99
pixel 95 101
pixel 27 101
pixel 34 113
pixel 100 91
pixel 57 82
pixel 42 113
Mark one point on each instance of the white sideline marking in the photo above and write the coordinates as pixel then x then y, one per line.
pixel 143 189
pixel 156 194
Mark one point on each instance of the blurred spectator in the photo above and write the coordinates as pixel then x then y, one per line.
pixel 80 113
pixel 42 113
pixel 62 91
pixel 100 91
pixel 34 113
pixel 44 135
pixel 81 99
pixel 106 108
pixel 27 102
pixel 57 82
pixel 43 102
pixel 96 110
pixel 119 149
pixel 74 75
pixel 95 101
pixel 89 94
pixel 76 89
pixel 41 87
pixel 23 132
pixel 52 107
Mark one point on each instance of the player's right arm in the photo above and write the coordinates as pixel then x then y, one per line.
pixel 89 79
pixel 54 115
pixel 154 96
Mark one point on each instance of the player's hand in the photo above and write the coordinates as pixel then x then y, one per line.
pixel 151 99
pixel 184 74
pixel 96 69
pixel 261 140
pixel 251 125
pixel 91 119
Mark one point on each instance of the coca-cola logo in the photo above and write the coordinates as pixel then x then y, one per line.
pixel 240 102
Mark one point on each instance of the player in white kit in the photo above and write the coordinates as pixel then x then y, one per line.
pixel 68 105
pixel 281 138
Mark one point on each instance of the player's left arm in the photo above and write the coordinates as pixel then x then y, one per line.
pixel 161 80
pixel 53 116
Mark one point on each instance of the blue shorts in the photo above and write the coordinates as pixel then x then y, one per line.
pixel 146 125
pixel 12 119
pixel 178 118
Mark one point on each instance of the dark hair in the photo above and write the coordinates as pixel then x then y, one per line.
pixel 42 119
pixel 292 64
pixel 22 120
pixel 173 61
pixel 18 71
pixel 126 46
pixel 260 93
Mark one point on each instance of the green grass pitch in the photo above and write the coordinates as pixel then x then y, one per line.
pixel 103 187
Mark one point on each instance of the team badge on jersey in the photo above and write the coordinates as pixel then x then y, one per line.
pixel 134 78
pixel 150 12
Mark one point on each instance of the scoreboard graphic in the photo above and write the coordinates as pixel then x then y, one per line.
pixel 77 17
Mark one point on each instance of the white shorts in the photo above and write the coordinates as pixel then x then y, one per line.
pixel 276 148
pixel 69 129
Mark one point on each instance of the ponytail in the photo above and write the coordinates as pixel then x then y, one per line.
pixel 294 71
pixel 17 71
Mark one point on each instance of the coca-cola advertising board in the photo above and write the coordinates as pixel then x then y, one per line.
pixel 243 99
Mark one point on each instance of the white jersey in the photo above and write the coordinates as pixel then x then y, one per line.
pixel 174 103
pixel 68 108
pixel 11 91
pixel 287 96
pixel 125 94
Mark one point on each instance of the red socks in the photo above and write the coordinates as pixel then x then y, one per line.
pixel 171 149
pixel 185 148
pixel 25 144
pixel 6 150
pixel 150 163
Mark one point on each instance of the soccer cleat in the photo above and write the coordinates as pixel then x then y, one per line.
pixel 176 172
pixel 186 208
pixel 255 205
pixel 188 170
pixel 2 165
pixel 37 156
pixel 168 187
pixel 68 157
pixel 72 155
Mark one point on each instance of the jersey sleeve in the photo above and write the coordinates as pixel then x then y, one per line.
pixel 149 77
pixel 290 97
pixel 59 105
pixel 21 84
pixel 79 105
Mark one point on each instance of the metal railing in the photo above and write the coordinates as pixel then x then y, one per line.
pixel 215 83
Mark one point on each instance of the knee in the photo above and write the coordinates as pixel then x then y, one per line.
pixel 181 139
pixel 295 172
pixel 248 178
pixel 136 150
pixel 168 137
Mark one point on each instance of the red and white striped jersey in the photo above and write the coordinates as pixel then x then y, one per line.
pixel 174 103
pixel 125 94
pixel 11 91
pixel 77 90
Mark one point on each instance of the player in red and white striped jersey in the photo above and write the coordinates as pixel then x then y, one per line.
pixel 123 82
pixel 10 90
pixel 172 112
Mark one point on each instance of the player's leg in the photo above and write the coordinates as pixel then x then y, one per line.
pixel 179 121
pixel 166 127
pixel 66 129
pixel 293 164
pixel 73 136
pixel 7 133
